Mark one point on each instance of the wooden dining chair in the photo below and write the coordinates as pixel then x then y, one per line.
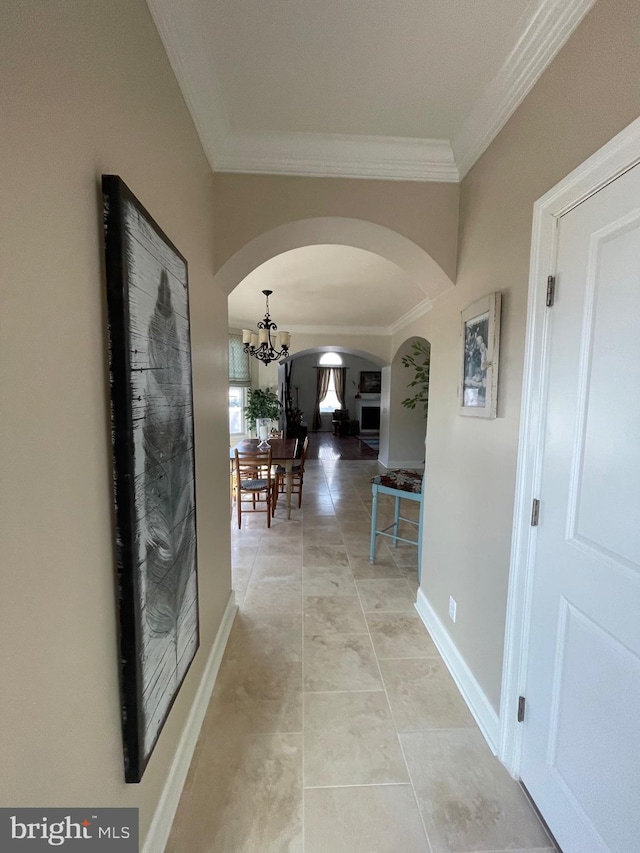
pixel 297 477
pixel 254 483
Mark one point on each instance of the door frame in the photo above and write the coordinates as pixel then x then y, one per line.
pixel 616 157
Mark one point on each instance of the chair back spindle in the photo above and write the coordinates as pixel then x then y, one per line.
pixel 255 484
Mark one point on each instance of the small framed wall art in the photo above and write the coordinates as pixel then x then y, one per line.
pixel 480 355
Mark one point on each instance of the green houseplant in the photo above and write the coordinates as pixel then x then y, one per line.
pixel 263 403
pixel 419 360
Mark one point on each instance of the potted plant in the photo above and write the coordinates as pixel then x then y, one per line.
pixel 263 406
pixel 420 361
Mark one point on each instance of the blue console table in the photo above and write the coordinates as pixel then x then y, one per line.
pixel 400 484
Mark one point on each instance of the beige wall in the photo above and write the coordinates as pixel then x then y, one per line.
pixel 86 89
pixel 249 205
pixel 589 93
pixel 378 346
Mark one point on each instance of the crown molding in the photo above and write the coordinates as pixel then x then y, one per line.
pixel 340 156
pixel 339 330
pixel 316 155
pixel 337 155
pixel 545 33
pixel 308 154
pixel 189 55
pixel 415 313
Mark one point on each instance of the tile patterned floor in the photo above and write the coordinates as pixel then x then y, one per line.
pixel 334 724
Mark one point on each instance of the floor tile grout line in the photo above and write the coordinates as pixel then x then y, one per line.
pixel 502 850
pixel 434 656
pixel 303 710
pixel 270 733
pixel 404 757
pixel 415 794
pixel 358 785
pixel 332 692
pixel 339 535
pixel 255 557
pixel 362 690
pixel 304 833
pixel 395 725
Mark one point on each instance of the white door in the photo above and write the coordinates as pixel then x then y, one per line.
pixel 581 747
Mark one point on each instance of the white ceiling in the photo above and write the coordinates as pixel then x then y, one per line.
pixel 405 89
pixel 326 287
pixel 391 89
pixel 373 69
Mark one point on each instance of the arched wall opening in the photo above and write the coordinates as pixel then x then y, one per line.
pixel 341 231
pixel 376 348
pixel 303 388
pixel 403 430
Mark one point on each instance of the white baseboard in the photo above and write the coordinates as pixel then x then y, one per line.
pixel 158 834
pixel 400 463
pixel 482 710
pixel 403 463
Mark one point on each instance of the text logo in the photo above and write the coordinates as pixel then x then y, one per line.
pixel 101 830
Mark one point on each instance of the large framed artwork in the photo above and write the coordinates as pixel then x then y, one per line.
pixel 153 463
pixel 480 355
pixel 370 382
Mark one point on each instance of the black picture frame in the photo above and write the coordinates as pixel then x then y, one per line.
pixel 153 467
pixel 370 381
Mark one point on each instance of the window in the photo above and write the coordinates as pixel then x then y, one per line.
pixel 330 400
pixel 239 366
pixel 237 402
pixel 239 381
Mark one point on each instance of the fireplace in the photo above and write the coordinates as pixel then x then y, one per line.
pixel 370 418
pixel 368 413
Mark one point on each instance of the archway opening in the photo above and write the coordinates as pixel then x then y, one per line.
pixel 318 382
pixel 314 310
pixel 405 406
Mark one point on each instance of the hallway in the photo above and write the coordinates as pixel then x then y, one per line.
pixel 334 725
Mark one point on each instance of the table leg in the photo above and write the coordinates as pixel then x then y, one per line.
pixel 289 469
pixel 374 524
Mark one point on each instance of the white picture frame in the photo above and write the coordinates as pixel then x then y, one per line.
pixel 480 357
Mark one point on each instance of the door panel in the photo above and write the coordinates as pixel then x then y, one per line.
pixel 587 757
pixel 611 396
pixel 581 739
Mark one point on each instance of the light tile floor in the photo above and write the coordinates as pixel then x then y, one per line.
pixel 334 724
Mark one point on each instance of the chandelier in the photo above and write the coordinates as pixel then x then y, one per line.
pixel 260 344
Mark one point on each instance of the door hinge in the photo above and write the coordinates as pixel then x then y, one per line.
pixel 551 290
pixel 521 704
pixel 535 512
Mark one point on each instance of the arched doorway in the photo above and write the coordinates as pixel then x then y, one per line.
pixel 302 386
pixel 338 231
pixel 404 279
pixel 403 430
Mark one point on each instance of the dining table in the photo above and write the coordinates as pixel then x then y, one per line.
pixel 283 453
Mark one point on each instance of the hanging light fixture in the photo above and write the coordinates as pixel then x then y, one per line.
pixel 260 344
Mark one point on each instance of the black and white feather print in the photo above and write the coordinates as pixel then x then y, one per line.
pixel 168 491
pixel 164 470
